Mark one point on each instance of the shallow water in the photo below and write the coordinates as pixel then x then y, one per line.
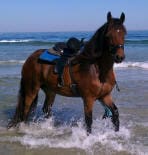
pixel 64 133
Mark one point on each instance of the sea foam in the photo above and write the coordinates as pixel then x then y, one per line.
pixel 46 134
pixel 14 41
pixel 11 62
pixel 142 65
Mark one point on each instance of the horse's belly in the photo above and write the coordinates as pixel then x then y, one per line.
pixel 67 92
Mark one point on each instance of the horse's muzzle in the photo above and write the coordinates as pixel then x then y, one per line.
pixel 119 59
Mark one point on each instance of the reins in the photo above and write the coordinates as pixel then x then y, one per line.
pixel 113 48
pixel 117 86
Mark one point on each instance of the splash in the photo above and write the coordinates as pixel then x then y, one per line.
pixel 47 134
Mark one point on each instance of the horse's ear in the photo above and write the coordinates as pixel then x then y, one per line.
pixel 109 16
pixel 122 17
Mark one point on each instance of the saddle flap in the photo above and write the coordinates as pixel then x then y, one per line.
pixel 49 57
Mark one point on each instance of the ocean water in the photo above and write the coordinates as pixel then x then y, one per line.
pixel 64 132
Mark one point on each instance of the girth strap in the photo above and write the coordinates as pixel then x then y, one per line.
pixel 73 86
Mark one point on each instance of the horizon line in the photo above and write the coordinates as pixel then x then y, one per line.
pixel 63 31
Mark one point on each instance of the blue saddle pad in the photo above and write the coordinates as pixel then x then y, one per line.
pixel 46 56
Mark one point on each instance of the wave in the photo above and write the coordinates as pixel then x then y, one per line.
pixel 142 65
pixel 136 41
pixel 52 42
pixel 14 41
pixel 28 42
pixel 12 62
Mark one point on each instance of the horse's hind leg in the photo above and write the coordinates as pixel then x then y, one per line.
pixel 111 111
pixel 29 104
pixel 27 100
pixel 34 104
pixel 49 100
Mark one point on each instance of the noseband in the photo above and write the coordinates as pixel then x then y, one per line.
pixel 113 48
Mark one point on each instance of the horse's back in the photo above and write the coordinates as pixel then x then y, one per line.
pixel 33 69
pixel 31 62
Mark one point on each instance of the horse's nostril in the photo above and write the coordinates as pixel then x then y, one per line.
pixel 119 58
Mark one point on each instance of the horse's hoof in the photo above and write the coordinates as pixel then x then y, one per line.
pixel 116 124
pixel 45 110
pixel 116 129
pixel 88 131
pixel 11 124
pixel 104 116
pixel 47 115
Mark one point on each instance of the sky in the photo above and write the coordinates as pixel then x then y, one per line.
pixel 69 15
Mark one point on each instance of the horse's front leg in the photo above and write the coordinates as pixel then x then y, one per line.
pixel 88 107
pixel 111 110
pixel 49 100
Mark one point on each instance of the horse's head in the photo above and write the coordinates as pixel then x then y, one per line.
pixel 115 37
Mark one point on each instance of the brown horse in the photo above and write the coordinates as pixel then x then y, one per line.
pixel 92 73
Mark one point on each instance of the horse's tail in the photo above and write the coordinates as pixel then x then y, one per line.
pixel 18 116
pixel 19 112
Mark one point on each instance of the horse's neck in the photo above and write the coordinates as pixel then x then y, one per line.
pixel 105 65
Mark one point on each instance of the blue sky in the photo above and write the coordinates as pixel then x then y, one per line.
pixel 69 15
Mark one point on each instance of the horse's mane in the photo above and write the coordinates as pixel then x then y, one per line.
pixel 93 49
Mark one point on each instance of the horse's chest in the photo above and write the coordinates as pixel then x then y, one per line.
pixel 102 88
pixel 105 88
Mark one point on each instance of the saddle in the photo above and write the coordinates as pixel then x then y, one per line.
pixel 57 52
pixel 59 47
pixel 62 54
pixel 51 55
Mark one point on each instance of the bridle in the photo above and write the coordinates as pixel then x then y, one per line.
pixel 113 48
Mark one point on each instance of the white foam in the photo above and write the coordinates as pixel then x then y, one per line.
pixel 12 62
pixel 14 41
pixel 45 134
pixel 143 65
